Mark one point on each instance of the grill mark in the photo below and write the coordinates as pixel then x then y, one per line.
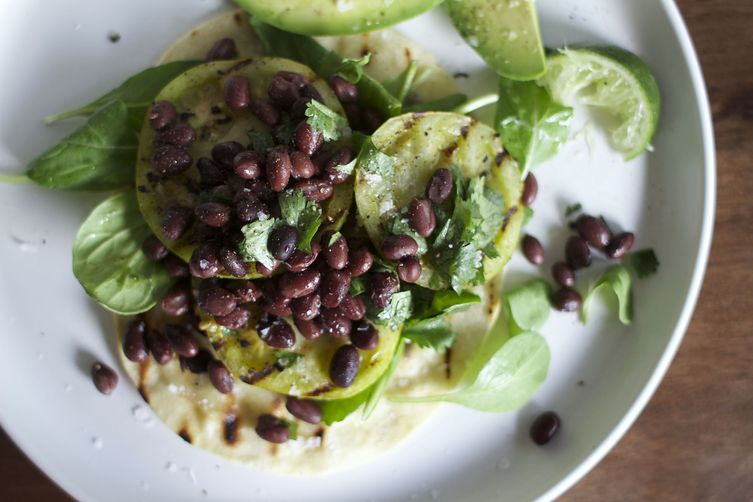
pixel 255 376
pixel 184 435
pixel 464 131
pixel 230 428
pixel 508 215
pixel 237 66
pixel 448 151
pixel 447 361
pixel 408 55
pixel 238 18
pixel 143 368
pixel 320 434
pixel 320 390
pixel 500 157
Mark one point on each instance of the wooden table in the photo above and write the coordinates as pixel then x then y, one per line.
pixel 694 441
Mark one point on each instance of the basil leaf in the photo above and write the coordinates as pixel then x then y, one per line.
pixel 323 119
pixel 531 124
pixel 137 93
pixel 254 245
pixel 108 260
pixel 100 155
pixel 617 279
pixel 527 306
pixel 444 104
pixel 644 262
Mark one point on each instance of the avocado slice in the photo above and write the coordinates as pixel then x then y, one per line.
pixel 328 17
pixel 505 33
pixel 301 371
pixel 421 143
pixel 196 92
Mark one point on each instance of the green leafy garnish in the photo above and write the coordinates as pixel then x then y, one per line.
pixel 306 215
pixel 346 168
pixel 644 262
pixel 572 209
pixel 293 428
pixel 527 306
pixel 527 215
pixel 357 286
pixel 407 81
pixel 323 119
pixel 352 69
pixel 333 238
pixel 108 260
pixel 428 327
pixel 373 161
pixel 260 141
pixel 617 280
pixel 399 225
pixel 285 358
pixel 253 248
pixel 100 155
pixel 398 311
pixel 531 124
pixel 433 332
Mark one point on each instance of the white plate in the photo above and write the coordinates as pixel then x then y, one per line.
pixel 57 55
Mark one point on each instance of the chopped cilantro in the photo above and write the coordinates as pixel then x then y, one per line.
pixel 284 132
pixel 572 209
pixel 644 262
pixel 398 311
pixel 399 225
pixel 253 248
pixel 285 358
pixel 346 168
pixel 372 161
pixel 296 210
pixel 325 120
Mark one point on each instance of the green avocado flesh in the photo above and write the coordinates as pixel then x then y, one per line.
pixel 196 92
pixel 302 370
pixel 422 143
pixel 334 17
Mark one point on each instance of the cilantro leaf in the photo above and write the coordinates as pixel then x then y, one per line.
pixel 617 280
pixel 398 311
pixel 333 238
pixel 572 209
pixel 306 215
pixel 292 203
pixel 352 69
pixel 260 141
pixel 433 332
pixel 644 262
pixel 253 248
pixel 399 225
pixel 323 119
pixel 346 168
pixel 372 161
pixel 285 359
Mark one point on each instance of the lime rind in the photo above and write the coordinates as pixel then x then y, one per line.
pixel 614 81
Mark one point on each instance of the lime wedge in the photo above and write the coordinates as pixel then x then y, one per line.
pixel 504 32
pixel 614 81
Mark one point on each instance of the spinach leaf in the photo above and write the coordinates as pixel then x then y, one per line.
pixel 644 262
pixel 137 93
pixel 527 306
pixel 444 104
pixel 108 260
pixel 407 81
pixel 531 124
pixel 325 63
pixel 323 119
pixel 617 279
pixel 338 409
pixel 100 155
pixel 254 244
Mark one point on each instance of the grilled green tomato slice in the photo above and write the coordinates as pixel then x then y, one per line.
pixel 195 93
pixel 421 143
pixel 302 370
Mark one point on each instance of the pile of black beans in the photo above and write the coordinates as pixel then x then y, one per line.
pixel 239 185
pixel 592 234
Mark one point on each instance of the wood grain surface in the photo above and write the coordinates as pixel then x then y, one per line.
pixel 694 441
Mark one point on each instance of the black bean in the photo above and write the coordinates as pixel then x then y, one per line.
pixel 336 254
pixel 282 242
pixel 566 299
pixel 283 92
pixel 306 139
pixel 421 217
pixel 175 266
pixel 533 250
pixel 397 247
pixel 210 173
pixel 409 269
pixel 383 286
pixel 311 92
pixel 134 344
pixel 304 409
pixel 339 158
pixel 265 271
pixel 161 115
pixel 214 214
pixel 620 245
pixel 295 78
pixel 306 308
pixel 563 275
pixel 216 300
pixel 249 165
pixel 530 190
pixel 365 336
pixel 222 193
pixel 244 291
pixel 249 208
pixel 204 262
pixel 177 300
pixel 182 136
pixel 334 289
pixel 276 305
pixel 154 249
pixel 272 429
pixel 204 233
pixel 232 262
pixel 370 120
pixel 265 111
pixel 175 221
pixel 344 90
pixel 159 346
pixel 197 364
pixel 300 260
pixel 439 188
pixel 577 253
pixel 344 366
pixel 169 160
pixel 224 153
pixel 320 158
pixel 335 324
pixel 310 330
pixel 222 49
pixel 237 319
pixel 105 379
pixel 237 93
pixel 353 307
pixel 279 168
pixel 593 230
pixel 315 189
pixel 298 108
pixel 275 332
pixel 220 376
pixel 182 342
pixel 302 167
pixel 296 285
pixel 545 427
pixel 359 262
